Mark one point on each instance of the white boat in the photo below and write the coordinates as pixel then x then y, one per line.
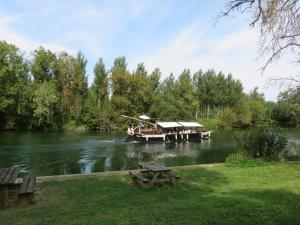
pixel 166 131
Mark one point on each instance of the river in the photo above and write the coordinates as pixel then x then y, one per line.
pixel 54 153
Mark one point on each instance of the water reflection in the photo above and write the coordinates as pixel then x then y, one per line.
pixel 69 153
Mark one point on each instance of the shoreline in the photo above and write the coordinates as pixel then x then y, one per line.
pixel 112 173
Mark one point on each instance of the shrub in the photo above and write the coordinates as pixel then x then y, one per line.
pixel 263 142
pixel 242 160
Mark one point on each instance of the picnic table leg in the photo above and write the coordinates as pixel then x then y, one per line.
pixel 3 196
pixel 171 178
pixel 154 179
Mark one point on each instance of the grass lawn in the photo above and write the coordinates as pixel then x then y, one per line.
pixel 218 195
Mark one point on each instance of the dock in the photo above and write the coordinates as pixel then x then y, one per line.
pixel 152 136
pixel 174 136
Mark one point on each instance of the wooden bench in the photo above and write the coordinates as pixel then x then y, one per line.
pixel 138 176
pixel 27 187
pixel 8 186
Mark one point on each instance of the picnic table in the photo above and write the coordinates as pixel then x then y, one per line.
pixel 157 173
pixel 8 178
pixel 10 190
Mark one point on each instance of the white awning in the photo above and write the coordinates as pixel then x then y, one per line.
pixel 190 124
pixel 168 124
pixel 144 117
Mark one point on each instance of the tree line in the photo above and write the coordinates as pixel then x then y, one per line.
pixel 50 91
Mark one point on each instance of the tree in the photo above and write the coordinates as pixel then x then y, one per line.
pixel 279 25
pixel 262 142
pixel 15 85
pixel 287 110
pixel 141 70
pixel 155 79
pixel 140 92
pixel 216 90
pixel 165 102
pixel 120 81
pixel 185 95
pixel 43 65
pixel 100 85
pixel 257 107
pixel 96 109
pixel 46 101
pixel 64 82
pixel 79 84
pixel 238 116
pixel 72 85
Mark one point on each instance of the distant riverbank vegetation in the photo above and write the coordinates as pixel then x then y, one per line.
pixel 50 91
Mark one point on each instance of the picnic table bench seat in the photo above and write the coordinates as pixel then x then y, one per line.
pixel 27 187
pixel 138 176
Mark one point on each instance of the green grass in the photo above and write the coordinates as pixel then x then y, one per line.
pixel 239 159
pixel 218 195
pixel 209 123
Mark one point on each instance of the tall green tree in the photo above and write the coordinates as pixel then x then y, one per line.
pixel 140 92
pixel 185 93
pixel 15 88
pixel 257 107
pixel 100 84
pixel 79 84
pixel 287 109
pixel 43 66
pixel 72 85
pixel 97 104
pixel 46 102
pixel 120 82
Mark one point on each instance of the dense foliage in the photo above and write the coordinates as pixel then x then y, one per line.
pixel 50 91
pixel 287 111
pixel 263 142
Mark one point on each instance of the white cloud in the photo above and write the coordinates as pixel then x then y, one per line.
pixel 24 43
pixel 234 53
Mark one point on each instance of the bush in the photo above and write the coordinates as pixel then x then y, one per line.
pixel 263 142
pixel 238 117
pixel 242 160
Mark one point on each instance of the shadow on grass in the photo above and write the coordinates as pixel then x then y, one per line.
pixel 202 177
pixel 209 199
pixel 252 207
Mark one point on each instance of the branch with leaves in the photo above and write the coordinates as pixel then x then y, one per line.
pixel 279 24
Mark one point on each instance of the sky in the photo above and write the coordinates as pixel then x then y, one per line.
pixel 169 34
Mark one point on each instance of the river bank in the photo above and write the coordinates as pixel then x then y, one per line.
pixel 206 195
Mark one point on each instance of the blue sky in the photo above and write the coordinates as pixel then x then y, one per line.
pixel 169 34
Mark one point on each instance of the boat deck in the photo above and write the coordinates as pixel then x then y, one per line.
pixel 174 136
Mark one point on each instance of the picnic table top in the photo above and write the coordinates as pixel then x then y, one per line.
pixel 154 166
pixel 8 175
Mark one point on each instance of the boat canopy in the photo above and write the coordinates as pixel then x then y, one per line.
pixel 178 124
pixel 144 117
pixel 190 124
pixel 168 124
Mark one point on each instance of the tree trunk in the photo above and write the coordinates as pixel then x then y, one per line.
pixel 207 112
pixel 98 103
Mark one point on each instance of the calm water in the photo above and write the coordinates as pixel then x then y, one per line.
pixel 43 153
